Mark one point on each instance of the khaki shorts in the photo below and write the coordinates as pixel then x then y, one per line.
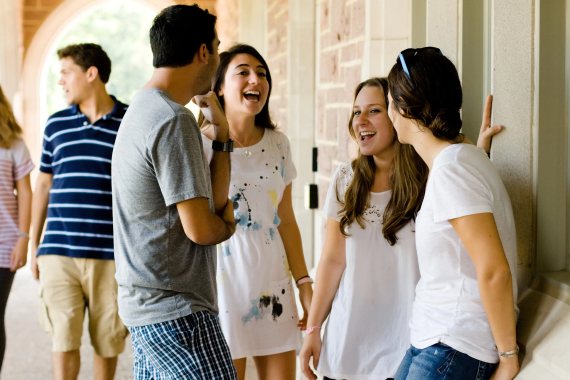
pixel 68 286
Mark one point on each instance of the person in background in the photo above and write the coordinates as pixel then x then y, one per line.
pixel 75 261
pixel 169 211
pixel 15 209
pixel 258 313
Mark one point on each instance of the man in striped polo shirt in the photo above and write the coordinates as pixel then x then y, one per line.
pixel 75 261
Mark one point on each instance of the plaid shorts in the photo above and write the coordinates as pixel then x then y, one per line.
pixel 192 347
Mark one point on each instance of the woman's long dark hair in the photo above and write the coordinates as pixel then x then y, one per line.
pixel 262 119
pixel 431 94
pixel 408 180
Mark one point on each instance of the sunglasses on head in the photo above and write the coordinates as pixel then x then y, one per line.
pixel 411 53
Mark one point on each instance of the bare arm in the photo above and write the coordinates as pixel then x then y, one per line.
pixel 20 251
pixel 289 231
pixel 40 201
pixel 480 236
pixel 204 227
pixel 220 165
pixel 329 273
pixel 220 173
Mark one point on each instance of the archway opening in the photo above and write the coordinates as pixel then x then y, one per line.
pixel 42 48
pixel 121 28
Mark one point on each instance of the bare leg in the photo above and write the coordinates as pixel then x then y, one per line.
pixel 104 368
pixel 66 365
pixel 240 367
pixel 276 367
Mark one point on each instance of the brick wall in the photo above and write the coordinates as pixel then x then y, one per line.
pixel 228 22
pixel 35 12
pixel 340 41
pixel 276 57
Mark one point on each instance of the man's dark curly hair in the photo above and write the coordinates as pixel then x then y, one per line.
pixel 177 34
pixel 88 55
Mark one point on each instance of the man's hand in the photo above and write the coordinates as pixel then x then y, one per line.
pixel 212 111
pixel 487 132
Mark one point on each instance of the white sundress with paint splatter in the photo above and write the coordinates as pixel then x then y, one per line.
pixel 257 306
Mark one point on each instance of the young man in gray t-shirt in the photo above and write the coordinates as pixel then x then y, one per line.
pixel 170 207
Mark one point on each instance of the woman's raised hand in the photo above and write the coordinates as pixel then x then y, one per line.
pixel 311 347
pixel 487 131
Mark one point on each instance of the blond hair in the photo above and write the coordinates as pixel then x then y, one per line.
pixel 10 130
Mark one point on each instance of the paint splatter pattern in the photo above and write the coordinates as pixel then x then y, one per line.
pixel 255 291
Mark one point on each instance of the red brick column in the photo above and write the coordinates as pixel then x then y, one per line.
pixel 340 41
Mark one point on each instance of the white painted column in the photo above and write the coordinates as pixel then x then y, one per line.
pixel 253 24
pixel 515 106
pixel 387 33
pixel 301 112
pixel 444 28
pixel 9 48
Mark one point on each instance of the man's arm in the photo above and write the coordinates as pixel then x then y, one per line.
pixel 220 164
pixel 204 227
pixel 220 173
pixel 40 201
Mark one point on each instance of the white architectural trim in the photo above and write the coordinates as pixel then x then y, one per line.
pixel 384 38
pixel 301 111
pixel 253 24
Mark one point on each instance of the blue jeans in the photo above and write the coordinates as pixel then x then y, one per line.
pixel 441 362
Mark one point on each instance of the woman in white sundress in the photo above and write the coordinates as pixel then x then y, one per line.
pixel 258 313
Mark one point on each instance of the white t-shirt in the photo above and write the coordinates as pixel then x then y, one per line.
pixel 368 332
pixel 448 307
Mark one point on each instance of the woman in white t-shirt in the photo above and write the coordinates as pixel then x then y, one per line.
pixel 258 313
pixel 15 211
pixel 464 313
pixel 368 270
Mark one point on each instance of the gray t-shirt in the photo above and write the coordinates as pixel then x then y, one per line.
pixel 158 161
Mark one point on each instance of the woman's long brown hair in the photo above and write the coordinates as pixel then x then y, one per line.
pixel 10 130
pixel 408 181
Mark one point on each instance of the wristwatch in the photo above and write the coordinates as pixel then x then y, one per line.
pixel 223 147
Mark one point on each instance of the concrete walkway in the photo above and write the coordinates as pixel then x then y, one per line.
pixel 28 349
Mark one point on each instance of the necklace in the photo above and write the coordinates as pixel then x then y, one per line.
pixel 247 151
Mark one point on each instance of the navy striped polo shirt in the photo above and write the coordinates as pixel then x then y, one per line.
pixel 78 155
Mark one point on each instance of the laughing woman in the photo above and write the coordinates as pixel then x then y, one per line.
pixel 257 306
pixel 368 270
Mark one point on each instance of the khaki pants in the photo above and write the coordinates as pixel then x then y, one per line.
pixel 68 286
